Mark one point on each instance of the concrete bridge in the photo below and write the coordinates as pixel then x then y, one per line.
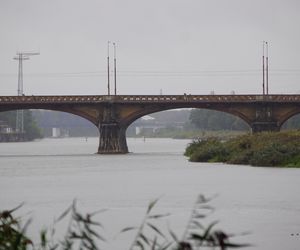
pixel 114 113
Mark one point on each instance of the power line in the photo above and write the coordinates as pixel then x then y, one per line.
pixel 147 73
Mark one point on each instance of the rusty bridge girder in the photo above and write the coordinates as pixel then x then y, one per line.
pixel 113 114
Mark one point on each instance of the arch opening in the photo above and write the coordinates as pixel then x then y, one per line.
pixel 292 122
pixel 185 123
pixel 49 123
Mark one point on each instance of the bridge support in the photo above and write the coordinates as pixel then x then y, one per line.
pixel 265 126
pixel 112 138
pixel 265 120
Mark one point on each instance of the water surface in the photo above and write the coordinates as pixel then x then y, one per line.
pixel 49 174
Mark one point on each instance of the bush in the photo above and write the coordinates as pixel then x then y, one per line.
pixel 261 149
pixel 211 149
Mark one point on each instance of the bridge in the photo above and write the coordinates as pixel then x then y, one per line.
pixel 112 114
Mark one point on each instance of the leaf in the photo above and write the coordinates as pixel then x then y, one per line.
pixel 92 232
pixel 198 224
pixel 198 216
pixel 154 243
pixel 156 229
pixel 194 236
pixel 43 236
pixel 157 216
pixel 166 246
pixel 151 205
pixel 64 214
pixel 173 235
pixel 16 208
pixel 126 229
pixel 138 243
pixel 233 245
pixel 144 238
pixel 207 231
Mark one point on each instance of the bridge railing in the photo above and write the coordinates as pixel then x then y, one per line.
pixel 148 98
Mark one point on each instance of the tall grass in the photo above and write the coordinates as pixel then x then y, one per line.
pixel 83 232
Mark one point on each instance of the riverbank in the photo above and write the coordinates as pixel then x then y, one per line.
pixel 191 134
pixel 279 149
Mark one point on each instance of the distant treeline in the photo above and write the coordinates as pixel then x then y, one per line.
pixel 205 119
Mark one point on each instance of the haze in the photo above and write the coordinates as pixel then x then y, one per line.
pixel 166 46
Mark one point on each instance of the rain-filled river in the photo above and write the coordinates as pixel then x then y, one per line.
pixel 49 174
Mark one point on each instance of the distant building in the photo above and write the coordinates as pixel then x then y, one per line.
pixel 59 132
pixel 7 134
pixel 55 132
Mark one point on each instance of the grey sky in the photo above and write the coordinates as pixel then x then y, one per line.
pixel 191 46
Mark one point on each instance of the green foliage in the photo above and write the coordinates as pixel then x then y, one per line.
pixel 261 149
pixel 211 149
pixel 83 232
pixel 11 234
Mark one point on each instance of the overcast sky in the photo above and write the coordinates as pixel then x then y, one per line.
pixel 168 46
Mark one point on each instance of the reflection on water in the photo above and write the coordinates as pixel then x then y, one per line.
pixel 50 173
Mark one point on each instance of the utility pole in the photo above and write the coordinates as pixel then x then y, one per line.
pixel 21 56
pixel 265 68
pixel 115 68
pixel 108 87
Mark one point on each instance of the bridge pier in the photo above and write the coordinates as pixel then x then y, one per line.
pixel 112 139
pixel 265 120
pixel 265 126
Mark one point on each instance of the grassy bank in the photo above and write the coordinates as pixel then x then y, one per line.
pixel 280 149
pixel 191 134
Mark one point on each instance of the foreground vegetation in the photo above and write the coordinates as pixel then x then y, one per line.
pixel 261 149
pixel 84 233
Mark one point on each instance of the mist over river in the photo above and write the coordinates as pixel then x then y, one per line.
pixel 49 174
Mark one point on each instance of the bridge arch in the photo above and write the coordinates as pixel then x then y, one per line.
pixel 74 113
pixel 204 119
pixel 292 113
pixel 291 122
pixel 150 110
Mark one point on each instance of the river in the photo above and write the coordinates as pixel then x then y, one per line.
pixel 49 174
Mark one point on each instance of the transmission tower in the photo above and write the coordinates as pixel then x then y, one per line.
pixel 21 56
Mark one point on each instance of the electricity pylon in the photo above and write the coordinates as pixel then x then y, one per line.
pixel 21 56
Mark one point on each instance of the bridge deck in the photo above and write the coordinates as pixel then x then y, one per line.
pixel 147 98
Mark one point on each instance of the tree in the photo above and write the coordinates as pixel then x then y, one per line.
pixel 215 120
